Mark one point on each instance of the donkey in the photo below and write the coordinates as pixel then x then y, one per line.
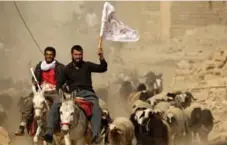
pixel 40 109
pixel 74 119
pixel 154 82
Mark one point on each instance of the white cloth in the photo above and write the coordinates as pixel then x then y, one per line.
pixel 48 87
pixel 113 29
pixel 45 66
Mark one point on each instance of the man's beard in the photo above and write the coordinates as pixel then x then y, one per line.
pixel 49 61
pixel 77 62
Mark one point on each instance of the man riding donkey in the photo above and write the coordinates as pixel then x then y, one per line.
pixel 77 76
pixel 47 73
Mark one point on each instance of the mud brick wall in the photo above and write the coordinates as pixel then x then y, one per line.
pixel 189 15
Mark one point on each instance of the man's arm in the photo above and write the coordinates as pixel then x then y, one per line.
pixel 102 67
pixel 62 78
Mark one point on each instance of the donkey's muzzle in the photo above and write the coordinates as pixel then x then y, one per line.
pixel 37 117
pixel 64 131
pixel 65 127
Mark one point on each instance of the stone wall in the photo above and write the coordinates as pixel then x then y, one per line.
pixel 189 15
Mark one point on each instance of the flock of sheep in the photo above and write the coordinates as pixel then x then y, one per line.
pixel 159 118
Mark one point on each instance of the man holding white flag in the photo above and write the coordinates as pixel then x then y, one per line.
pixel 113 29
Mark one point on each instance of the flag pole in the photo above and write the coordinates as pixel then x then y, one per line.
pixel 100 45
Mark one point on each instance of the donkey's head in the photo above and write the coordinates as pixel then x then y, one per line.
pixel 67 111
pixel 38 102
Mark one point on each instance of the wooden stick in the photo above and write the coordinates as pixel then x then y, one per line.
pixel 100 45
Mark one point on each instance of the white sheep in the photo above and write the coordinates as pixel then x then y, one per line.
pixel 176 119
pixel 138 104
pixel 159 97
pixel 182 99
pixel 162 106
pixel 121 132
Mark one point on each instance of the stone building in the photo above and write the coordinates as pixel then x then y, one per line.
pixel 163 20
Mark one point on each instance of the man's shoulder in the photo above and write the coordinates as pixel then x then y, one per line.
pixel 60 64
pixel 39 64
pixel 68 65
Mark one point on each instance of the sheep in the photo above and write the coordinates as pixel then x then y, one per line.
pixel 200 121
pixel 121 132
pixel 177 121
pixel 138 104
pixel 162 106
pixel 182 99
pixel 105 111
pixel 157 98
pixel 139 95
pixel 207 122
pixel 141 87
pixel 105 120
pixel 150 128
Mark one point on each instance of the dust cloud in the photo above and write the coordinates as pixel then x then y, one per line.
pixel 63 24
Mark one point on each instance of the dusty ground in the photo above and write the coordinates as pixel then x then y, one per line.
pixel 195 59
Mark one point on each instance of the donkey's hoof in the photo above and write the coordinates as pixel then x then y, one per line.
pixel 35 140
pixel 45 143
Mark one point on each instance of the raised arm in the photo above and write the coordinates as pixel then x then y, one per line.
pixel 99 68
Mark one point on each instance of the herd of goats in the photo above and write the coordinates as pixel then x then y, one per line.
pixel 156 117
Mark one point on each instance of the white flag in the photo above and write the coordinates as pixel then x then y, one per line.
pixel 113 29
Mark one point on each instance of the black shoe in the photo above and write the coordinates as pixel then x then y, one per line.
pixel 48 138
pixel 20 131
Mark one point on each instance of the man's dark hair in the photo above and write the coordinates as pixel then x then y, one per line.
pixel 77 48
pixel 52 49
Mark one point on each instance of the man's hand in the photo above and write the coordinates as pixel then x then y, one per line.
pixel 100 53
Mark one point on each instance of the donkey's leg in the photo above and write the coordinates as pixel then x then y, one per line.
pixel 67 139
pixel 38 131
pixel 44 142
pixel 81 141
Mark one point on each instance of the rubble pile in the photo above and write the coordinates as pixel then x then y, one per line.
pixel 206 67
pixel 212 65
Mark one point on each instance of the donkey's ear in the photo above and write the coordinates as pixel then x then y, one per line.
pixel 44 86
pixel 61 94
pixel 34 89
